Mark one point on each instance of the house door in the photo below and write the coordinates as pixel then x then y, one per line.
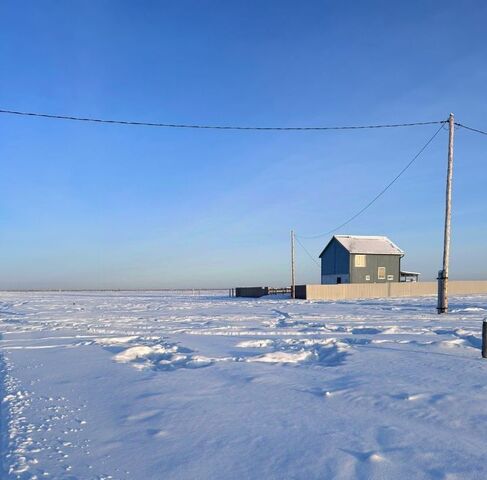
pixel 339 279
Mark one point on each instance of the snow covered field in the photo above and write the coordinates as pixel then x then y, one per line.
pixel 150 385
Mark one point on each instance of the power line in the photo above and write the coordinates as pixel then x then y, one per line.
pixel 212 127
pixel 307 252
pixel 384 190
pixel 470 128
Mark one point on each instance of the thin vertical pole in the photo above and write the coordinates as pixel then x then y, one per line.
pixel 293 267
pixel 443 274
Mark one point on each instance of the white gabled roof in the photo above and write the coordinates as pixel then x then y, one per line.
pixel 371 245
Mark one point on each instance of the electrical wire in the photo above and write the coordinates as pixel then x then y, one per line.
pixel 307 252
pixel 384 190
pixel 471 129
pixel 212 127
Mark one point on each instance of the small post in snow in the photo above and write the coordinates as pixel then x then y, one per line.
pixel 293 267
pixel 484 338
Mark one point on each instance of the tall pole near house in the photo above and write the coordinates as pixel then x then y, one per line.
pixel 293 267
pixel 443 274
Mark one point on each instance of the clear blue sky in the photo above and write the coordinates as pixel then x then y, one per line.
pixel 90 206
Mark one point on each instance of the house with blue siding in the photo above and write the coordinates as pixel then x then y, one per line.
pixel 360 259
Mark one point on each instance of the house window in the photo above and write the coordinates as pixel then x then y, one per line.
pixel 381 273
pixel 367 278
pixel 390 278
pixel 360 261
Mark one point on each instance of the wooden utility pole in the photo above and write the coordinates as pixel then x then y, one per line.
pixel 293 267
pixel 443 274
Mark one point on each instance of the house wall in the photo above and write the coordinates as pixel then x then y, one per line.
pixel 335 262
pixel 332 279
pixel 392 264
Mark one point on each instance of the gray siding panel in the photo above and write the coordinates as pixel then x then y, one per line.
pixel 373 262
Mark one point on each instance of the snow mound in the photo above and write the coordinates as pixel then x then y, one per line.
pixel 458 342
pixel 256 343
pixel 283 357
pixel 142 352
pixel 115 340
pixel 324 351
pixel 394 330
pixel 468 309
pixel 161 357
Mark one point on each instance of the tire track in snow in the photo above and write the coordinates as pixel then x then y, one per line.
pixel 3 420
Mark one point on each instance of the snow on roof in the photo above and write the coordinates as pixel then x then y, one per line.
pixel 372 245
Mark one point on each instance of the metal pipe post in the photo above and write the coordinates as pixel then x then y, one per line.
pixel 484 338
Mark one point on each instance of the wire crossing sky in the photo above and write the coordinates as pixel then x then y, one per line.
pixel 214 127
pixel 205 196
pixel 471 129
pixel 228 127
pixel 382 192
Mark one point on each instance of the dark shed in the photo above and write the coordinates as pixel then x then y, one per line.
pixel 360 259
